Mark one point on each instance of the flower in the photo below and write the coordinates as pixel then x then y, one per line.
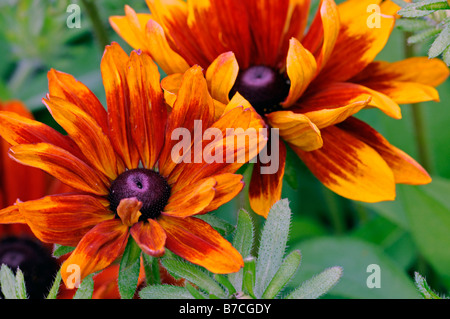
pixel 308 85
pixel 18 247
pixel 120 163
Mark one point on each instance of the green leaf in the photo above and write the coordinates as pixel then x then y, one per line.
pixel 21 290
pixel 272 244
pixel 245 232
pixel 412 25
pixel 284 274
pixel 194 274
pixel 222 226
pixel 424 35
pixel 243 242
pixel 446 55
pixel 354 256
pixel 165 292
pixel 248 279
pixel 423 287
pixel 423 8
pixel 318 285
pixel 129 270
pixel 225 282
pixel 86 288
pixel 53 293
pixel 428 211
pixel 151 268
pixel 7 282
pixel 60 250
pixel 441 43
pixel 194 292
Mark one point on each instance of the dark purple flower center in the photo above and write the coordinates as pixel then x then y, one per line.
pixel 148 186
pixel 35 261
pixel 263 87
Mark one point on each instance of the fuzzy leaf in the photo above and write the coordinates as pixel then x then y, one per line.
pixel 318 285
pixel 222 226
pixel 243 242
pixel 129 270
pixel 412 25
pixel 21 290
pixel 441 43
pixel 424 35
pixel 423 8
pixel 60 250
pixel 272 247
pixel 165 292
pixel 446 55
pixel 193 274
pixel 53 293
pixel 423 287
pixel 287 270
pixel 248 280
pixel 7 282
pixel 86 288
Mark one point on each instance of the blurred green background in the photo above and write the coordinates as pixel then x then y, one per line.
pixel 409 234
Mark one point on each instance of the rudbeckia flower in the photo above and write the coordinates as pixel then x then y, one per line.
pixel 120 162
pixel 307 84
pixel 18 246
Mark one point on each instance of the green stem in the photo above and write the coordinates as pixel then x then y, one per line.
pixel 99 29
pixel 419 123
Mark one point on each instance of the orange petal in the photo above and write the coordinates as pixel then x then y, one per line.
pixel 172 16
pixel 96 250
pixel 237 142
pixel 66 87
pixel 422 70
pixel 131 27
pixel 148 112
pixel 192 199
pixel 221 75
pixel 333 104
pixel 265 189
pixel 87 134
pixel 295 24
pixel 63 219
pixel 193 108
pixel 114 69
pixel 171 85
pixel 350 167
pixel 128 211
pixel 62 165
pixel 150 237
pixel 267 21
pixel 384 103
pixel 406 170
pixel 358 44
pixel 323 33
pixel 17 129
pixel 301 69
pixel 11 215
pixel 218 27
pixel 296 129
pixel 227 187
pixel 160 50
pixel 197 242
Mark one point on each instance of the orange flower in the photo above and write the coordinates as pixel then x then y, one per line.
pixel 18 246
pixel 120 162
pixel 306 85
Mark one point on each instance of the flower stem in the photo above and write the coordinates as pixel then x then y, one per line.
pixel 99 29
pixel 419 123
